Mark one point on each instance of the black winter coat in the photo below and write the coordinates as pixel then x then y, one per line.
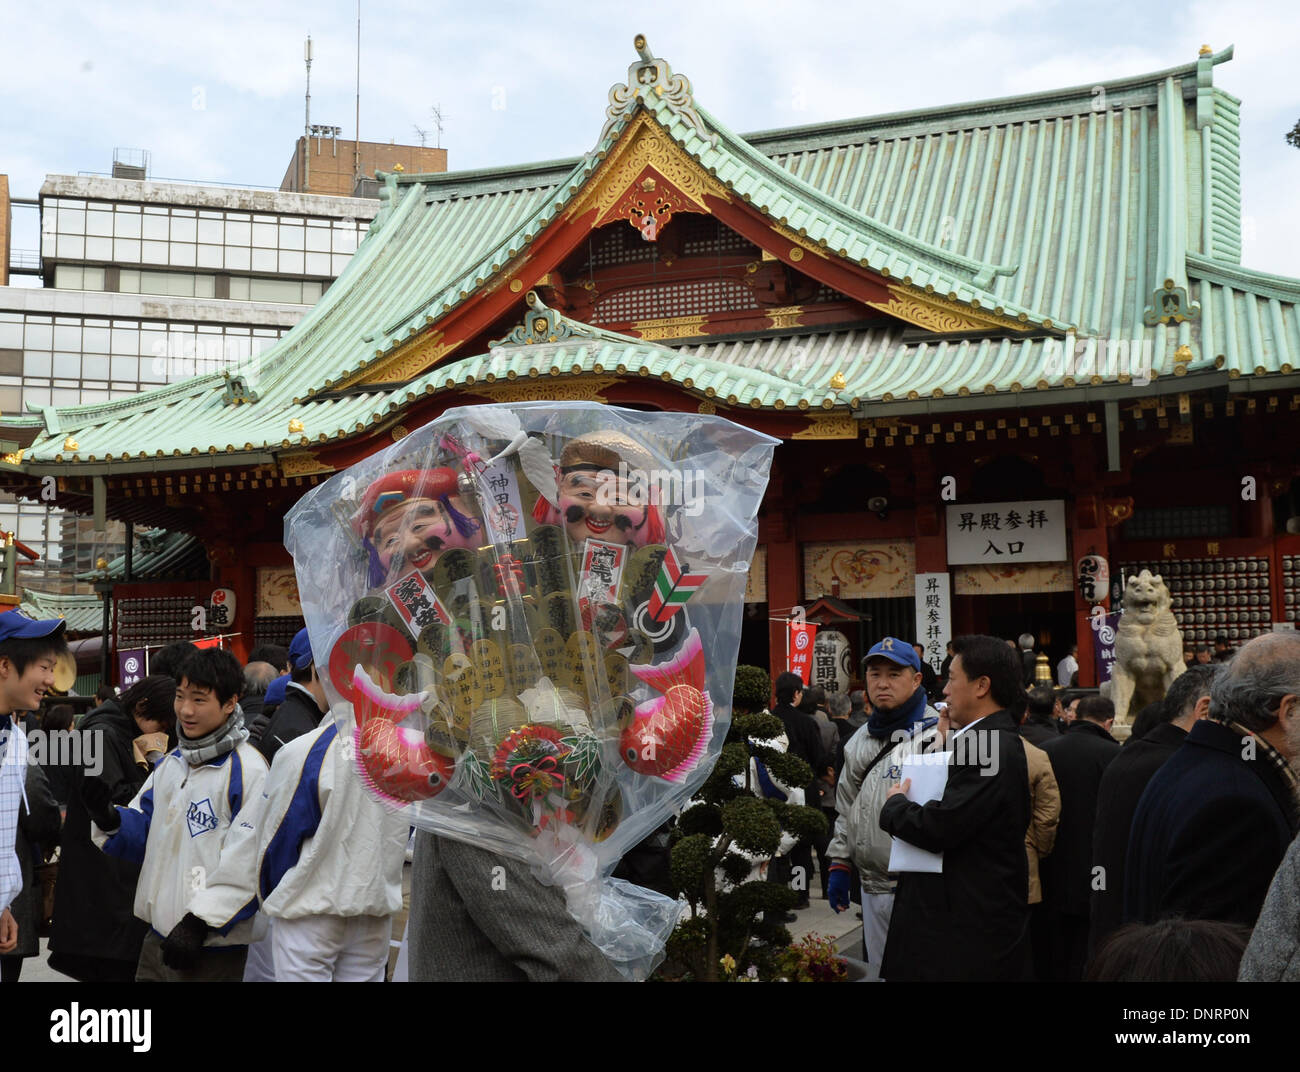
pixel 1040 733
pixel 1029 664
pixel 1079 758
pixel 971 922
pixel 38 832
pixel 94 915
pixel 1209 832
pixel 1121 788
pixel 805 738
pixel 252 707
pixel 296 716
pixel 804 735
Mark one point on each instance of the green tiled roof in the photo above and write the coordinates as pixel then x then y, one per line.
pixel 1250 324
pixel 161 555
pixel 1072 206
pixel 83 613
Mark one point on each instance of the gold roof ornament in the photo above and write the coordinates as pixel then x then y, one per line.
pixel 101 563
pixel 1183 353
pixel 1205 50
pixel 295 426
pixel 71 444
pixel 398 167
pixel 838 382
pixel 15 458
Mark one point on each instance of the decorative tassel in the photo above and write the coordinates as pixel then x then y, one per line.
pixel 378 575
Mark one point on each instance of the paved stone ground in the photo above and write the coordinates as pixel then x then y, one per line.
pixel 818 918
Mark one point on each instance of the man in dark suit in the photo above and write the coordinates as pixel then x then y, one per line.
pixel 1217 818
pixel 1187 702
pixel 971 921
pixel 1079 759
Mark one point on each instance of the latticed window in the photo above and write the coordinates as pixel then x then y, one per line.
pixel 702 236
pixel 706 237
pixel 620 244
pixel 695 298
pixel 829 294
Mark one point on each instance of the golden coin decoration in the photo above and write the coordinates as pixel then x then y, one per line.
pixel 525 668
pixel 463 687
pixel 642 570
pixel 549 559
pixel 491 667
pixel 616 673
pixel 582 654
pixel 551 653
pixel 437 640
pixel 441 736
pixel 559 613
pixel 418 674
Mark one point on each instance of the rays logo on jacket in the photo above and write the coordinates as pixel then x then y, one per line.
pixel 201 817
pixel 893 772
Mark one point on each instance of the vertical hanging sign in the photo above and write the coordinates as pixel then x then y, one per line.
pixel 802 635
pixel 1105 630
pixel 130 667
pixel 933 616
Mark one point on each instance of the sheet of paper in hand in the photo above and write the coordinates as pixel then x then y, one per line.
pixel 929 775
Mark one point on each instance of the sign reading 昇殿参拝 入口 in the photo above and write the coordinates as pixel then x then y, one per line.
pixel 987 533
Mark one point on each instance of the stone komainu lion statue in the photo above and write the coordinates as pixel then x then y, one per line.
pixel 1148 648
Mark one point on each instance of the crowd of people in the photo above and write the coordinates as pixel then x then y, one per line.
pixel 216 831
pixel 1067 855
pixel 221 833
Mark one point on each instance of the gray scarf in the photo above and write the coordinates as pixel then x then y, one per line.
pixel 225 738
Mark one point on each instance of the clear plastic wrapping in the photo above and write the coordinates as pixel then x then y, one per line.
pixel 526 620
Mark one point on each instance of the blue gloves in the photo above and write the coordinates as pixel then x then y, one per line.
pixel 837 886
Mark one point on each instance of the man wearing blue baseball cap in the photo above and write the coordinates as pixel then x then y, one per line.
pixel 304 703
pixel 28 652
pixel 901 722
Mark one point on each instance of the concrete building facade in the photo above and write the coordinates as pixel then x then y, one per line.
pixel 146 283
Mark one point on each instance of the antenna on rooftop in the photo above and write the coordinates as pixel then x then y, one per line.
pixel 356 155
pixel 438 116
pixel 423 135
pixel 306 126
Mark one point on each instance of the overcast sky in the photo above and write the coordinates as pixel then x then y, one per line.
pixel 214 90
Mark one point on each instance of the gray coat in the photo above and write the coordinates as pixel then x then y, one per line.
pixel 471 923
pixel 857 835
pixel 1273 955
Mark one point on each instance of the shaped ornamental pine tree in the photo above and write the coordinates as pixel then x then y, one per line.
pixel 733 825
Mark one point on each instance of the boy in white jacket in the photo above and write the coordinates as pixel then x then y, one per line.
pixel 330 862
pixel 197 886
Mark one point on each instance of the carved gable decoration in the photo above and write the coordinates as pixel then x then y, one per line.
pixel 543 324
pixel 650 202
pixel 942 315
pixel 652 75
pixel 647 174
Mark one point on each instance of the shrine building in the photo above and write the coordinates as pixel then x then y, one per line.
pixel 995 339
